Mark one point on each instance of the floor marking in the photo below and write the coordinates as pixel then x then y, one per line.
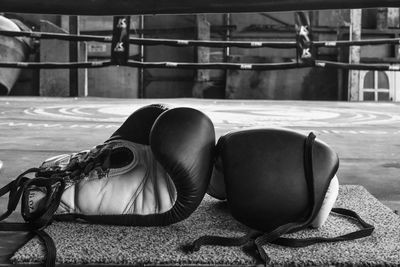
pixel 274 115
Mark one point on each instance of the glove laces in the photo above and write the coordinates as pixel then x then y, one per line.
pixel 53 181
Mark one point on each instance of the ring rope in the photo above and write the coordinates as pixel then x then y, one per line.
pixel 151 41
pixel 364 42
pixel 138 64
pixel 56 65
pixel 310 62
pixel 58 36
pixel 182 65
pixel 205 43
pixel 358 66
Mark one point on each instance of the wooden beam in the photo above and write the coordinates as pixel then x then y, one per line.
pixel 393 17
pixel 53 82
pixel 382 19
pixel 203 56
pixel 354 54
pixel 137 7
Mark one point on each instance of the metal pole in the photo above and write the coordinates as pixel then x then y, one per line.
pixel 73 56
pixel 141 93
pixel 227 22
pixel 227 37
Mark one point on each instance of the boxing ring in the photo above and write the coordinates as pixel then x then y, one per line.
pixel 340 124
pixel 34 128
pixel 304 45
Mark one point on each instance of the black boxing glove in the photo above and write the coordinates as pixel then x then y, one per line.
pixel 154 170
pixel 262 174
pixel 276 181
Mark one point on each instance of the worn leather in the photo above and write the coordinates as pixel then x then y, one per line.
pixel 140 187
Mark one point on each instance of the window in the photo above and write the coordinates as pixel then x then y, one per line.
pixel 376 86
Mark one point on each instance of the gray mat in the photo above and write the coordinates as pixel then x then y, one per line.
pixel 84 243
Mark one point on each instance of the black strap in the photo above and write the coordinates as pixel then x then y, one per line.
pixel 274 236
pixel 365 231
pixel 51 251
pixel 220 241
pixel 15 189
pixel 258 239
pixel 53 179
pixel 47 240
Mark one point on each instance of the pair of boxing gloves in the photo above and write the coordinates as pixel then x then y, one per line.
pixel 156 168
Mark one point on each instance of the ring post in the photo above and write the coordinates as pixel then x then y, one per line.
pixel 304 46
pixel 120 40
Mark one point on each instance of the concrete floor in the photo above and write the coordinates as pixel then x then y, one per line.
pixel 365 135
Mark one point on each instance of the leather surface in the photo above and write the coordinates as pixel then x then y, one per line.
pixel 328 203
pixel 141 187
pixel 136 128
pixel 166 179
pixel 264 176
pixel 183 141
pixel 216 188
